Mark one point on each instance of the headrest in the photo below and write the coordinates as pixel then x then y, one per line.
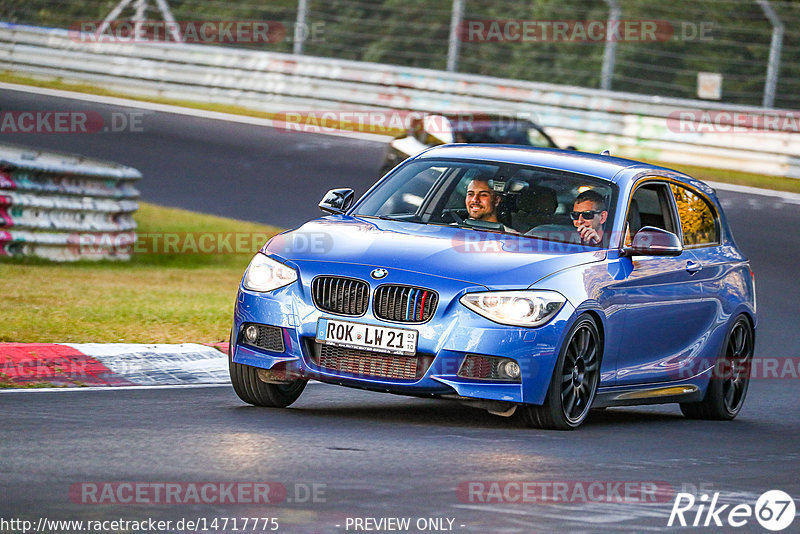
pixel 542 200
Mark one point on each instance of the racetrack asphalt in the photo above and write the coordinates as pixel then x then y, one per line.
pixel 376 455
pixel 244 171
pixel 379 455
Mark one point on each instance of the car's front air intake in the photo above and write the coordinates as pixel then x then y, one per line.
pixel 345 296
pixel 367 364
pixel 262 336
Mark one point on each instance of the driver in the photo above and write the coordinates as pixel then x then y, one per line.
pixel 482 203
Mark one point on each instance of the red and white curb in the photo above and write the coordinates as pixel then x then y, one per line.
pixel 112 364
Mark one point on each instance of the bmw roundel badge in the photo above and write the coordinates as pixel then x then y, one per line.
pixel 378 274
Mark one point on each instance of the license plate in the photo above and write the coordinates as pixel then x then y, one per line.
pixel 351 335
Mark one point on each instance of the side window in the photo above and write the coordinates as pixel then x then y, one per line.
pixel 650 206
pixel 698 218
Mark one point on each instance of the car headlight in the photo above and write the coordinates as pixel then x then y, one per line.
pixel 516 308
pixel 265 274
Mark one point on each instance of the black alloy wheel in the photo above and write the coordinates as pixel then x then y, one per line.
pixel 730 377
pixel 574 382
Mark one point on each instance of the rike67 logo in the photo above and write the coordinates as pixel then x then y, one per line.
pixel 774 510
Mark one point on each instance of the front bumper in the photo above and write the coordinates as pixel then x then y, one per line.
pixel 453 333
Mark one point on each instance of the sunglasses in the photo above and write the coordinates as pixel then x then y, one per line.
pixel 588 215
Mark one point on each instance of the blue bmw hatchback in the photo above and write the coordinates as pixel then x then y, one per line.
pixel 538 283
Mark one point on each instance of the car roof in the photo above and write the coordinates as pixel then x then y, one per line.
pixel 614 169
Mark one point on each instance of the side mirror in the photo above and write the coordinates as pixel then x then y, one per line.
pixel 337 200
pixel 652 241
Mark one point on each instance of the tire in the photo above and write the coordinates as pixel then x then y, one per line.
pixel 574 381
pixel 730 378
pixel 252 390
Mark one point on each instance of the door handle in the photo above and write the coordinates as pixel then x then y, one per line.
pixel 693 267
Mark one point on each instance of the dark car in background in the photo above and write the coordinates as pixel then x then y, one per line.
pixel 474 128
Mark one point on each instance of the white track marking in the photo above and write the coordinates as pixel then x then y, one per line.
pixel 122 388
pixel 111 388
pixel 191 112
pixel 792 198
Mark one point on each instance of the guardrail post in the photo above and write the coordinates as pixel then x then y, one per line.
pixel 610 52
pixel 775 48
pixel 453 45
pixel 139 17
pixel 141 11
pixel 166 12
pixel 299 25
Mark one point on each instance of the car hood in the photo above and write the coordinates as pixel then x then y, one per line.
pixel 477 257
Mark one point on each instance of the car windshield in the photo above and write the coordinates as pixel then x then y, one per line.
pixel 522 199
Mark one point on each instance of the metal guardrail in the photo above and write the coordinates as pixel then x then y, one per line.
pixel 63 207
pixel 638 126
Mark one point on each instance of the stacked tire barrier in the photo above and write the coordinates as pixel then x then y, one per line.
pixel 646 127
pixel 65 208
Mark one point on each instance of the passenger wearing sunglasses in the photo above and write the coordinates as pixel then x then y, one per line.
pixel 588 215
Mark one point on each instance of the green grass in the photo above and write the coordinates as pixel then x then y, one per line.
pixel 777 183
pixel 154 298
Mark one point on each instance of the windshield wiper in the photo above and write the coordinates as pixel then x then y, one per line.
pixel 406 217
